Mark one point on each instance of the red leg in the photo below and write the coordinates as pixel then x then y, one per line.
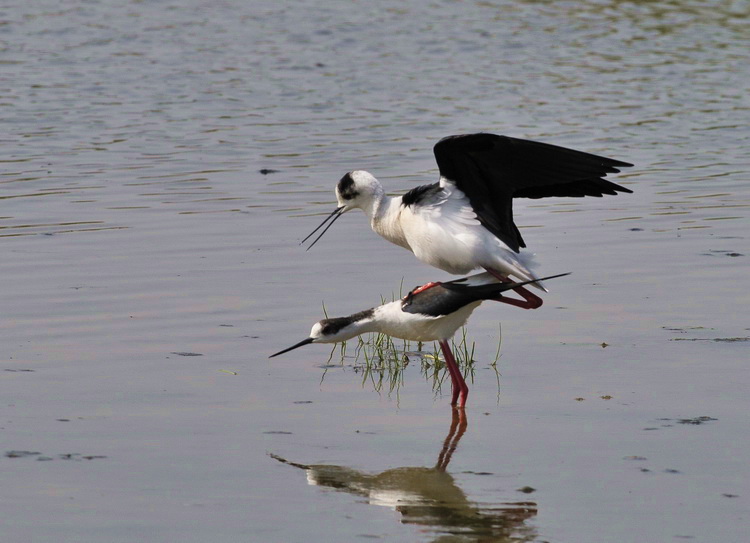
pixel 455 387
pixel 530 300
pixel 460 390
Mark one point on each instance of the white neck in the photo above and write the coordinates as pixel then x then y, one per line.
pixel 383 319
pixel 353 328
pixel 361 327
pixel 384 219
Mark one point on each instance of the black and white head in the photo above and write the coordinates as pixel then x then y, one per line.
pixel 357 189
pixel 335 330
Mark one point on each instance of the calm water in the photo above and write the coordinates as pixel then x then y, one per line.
pixel 137 230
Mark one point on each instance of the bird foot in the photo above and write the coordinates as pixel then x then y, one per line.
pixel 530 300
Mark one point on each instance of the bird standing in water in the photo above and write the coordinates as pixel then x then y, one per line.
pixel 465 220
pixel 432 312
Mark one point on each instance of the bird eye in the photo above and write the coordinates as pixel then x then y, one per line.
pixel 346 188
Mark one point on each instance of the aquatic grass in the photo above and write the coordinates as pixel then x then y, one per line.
pixel 382 360
pixel 328 363
pixel 383 363
pixel 464 353
pixel 499 345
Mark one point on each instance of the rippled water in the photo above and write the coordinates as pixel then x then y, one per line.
pixel 162 160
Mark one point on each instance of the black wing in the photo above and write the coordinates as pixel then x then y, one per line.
pixel 420 194
pixel 446 298
pixel 439 300
pixel 492 170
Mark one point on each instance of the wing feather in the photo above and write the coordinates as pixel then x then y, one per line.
pixel 491 170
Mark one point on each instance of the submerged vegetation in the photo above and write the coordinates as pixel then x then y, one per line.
pixel 382 359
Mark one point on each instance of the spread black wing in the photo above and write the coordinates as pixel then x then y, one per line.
pixel 492 170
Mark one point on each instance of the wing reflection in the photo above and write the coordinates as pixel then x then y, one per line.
pixel 430 497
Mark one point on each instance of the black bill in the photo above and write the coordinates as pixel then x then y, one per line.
pixel 300 344
pixel 332 217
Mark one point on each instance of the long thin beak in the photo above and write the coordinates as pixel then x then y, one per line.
pixel 335 215
pixel 300 344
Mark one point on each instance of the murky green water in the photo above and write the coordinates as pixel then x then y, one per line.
pixel 137 229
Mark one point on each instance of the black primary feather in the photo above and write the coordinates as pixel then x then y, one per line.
pixel 492 170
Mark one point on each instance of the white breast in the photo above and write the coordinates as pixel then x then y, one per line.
pixel 447 234
pixel 387 223
pixel 390 319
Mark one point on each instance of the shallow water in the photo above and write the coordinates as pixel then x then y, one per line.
pixel 137 230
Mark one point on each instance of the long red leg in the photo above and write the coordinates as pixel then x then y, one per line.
pixel 455 387
pixel 460 390
pixel 530 300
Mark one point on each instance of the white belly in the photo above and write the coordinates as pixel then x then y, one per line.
pixel 448 236
pixel 463 249
pixel 416 327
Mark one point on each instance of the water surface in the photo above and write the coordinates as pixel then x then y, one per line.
pixel 149 268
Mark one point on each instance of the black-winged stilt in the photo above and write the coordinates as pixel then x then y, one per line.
pixel 432 312
pixel 465 220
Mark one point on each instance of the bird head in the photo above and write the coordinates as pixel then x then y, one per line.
pixel 334 330
pixel 357 189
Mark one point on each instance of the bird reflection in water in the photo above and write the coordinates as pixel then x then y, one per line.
pixel 430 497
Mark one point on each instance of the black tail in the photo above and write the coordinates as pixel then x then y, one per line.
pixel 522 283
pixel 492 290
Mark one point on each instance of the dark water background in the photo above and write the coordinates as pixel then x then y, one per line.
pixel 136 228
